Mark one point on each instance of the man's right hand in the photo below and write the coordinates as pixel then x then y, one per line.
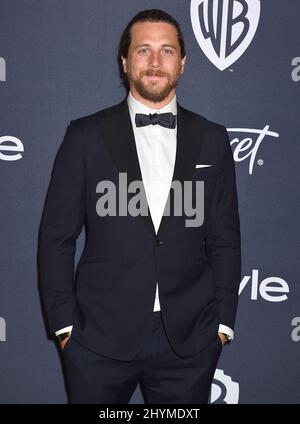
pixel 63 339
pixel 63 342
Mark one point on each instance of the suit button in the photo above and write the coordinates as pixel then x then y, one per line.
pixel 159 242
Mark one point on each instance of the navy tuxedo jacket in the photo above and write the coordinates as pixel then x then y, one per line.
pixel 109 299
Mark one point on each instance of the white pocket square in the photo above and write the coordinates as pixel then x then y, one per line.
pixel 202 166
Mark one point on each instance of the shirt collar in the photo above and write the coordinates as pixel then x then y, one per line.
pixel 137 107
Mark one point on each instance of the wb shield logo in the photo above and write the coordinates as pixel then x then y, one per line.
pixel 224 29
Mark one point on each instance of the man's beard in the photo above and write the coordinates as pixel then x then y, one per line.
pixel 150 91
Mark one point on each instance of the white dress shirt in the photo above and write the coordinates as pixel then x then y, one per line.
pixel 156 149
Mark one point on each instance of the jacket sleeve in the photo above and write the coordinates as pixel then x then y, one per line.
pixel 61 224
pixel 223 238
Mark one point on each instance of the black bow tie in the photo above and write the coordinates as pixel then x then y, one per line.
pixel 167 120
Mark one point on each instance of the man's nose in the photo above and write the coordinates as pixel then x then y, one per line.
pixel 155 59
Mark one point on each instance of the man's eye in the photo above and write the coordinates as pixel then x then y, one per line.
pixel 143 51
pixel 168 52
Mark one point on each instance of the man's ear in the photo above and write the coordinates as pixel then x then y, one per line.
pixel 124 63
pixel 183 60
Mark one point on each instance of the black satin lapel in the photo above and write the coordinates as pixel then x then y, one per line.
pixel 189 141
pixel 116 128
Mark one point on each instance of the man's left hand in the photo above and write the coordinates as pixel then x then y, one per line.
pixel 223 338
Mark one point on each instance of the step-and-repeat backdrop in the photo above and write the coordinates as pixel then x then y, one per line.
pixel 57 63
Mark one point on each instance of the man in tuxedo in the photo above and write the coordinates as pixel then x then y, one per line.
pixel 154 296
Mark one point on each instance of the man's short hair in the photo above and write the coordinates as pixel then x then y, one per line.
pixel 149 15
